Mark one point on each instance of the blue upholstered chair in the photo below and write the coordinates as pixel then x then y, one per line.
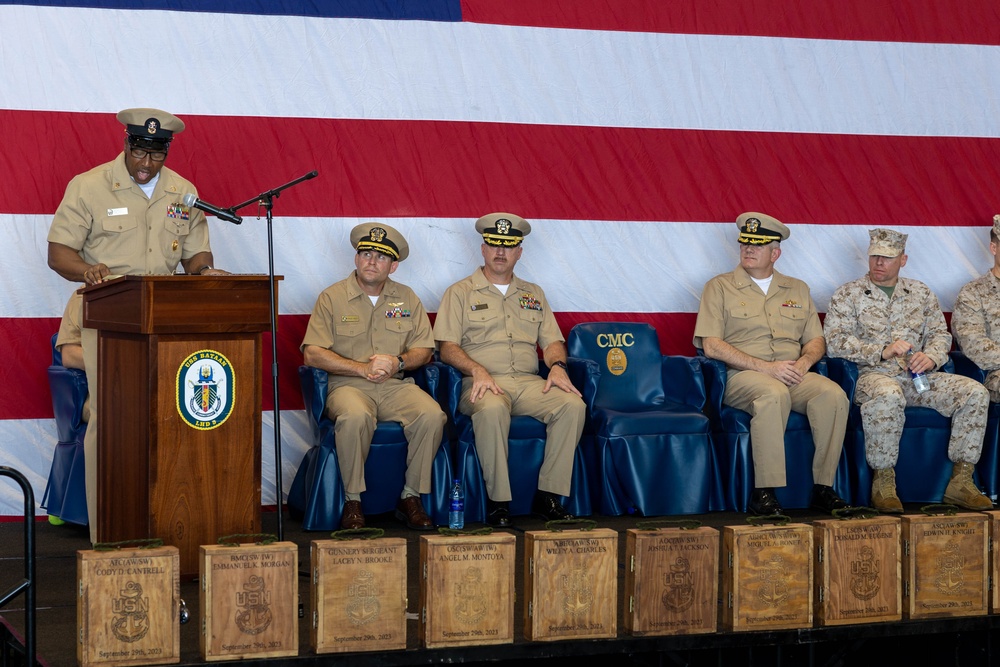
pixel 317 490
pixel 987 469
pixel 647 443
pixel 526 451
pixel 734 454
pixel 923 468
pixel 65 494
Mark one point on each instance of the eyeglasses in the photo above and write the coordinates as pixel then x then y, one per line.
pixel 367 255
pixel 141 153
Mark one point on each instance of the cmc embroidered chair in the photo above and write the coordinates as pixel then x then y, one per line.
pixel 989 461
pixel 317 490
pixel 525 447
pixel 647 443
pixel 923 468
pixel 65 494
pixel 734 453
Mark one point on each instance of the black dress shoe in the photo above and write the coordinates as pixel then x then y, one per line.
pixel 497 514
pixel 547 506
pixel 825 499
pixel 763 502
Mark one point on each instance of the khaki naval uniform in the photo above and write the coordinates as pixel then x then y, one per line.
pixel 502 333
pixel 345 322
pixel 107 217
pixel 860 323
pixel 975 321
pixel 774 327
pixel 70 328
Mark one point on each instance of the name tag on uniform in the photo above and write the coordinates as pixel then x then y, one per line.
pixel 480 306
pixel 350 318
pixel 112 212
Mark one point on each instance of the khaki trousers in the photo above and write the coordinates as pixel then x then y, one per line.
pixel 769 402
pixel 355 412
pixel 562 413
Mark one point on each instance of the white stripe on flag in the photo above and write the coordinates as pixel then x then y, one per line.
pixel 227 64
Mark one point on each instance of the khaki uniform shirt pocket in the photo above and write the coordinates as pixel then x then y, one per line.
pixel 483 325
pixel 793 321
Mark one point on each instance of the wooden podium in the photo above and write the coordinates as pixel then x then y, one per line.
pixel 179 416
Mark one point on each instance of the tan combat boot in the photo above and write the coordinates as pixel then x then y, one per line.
pixel 962 491
pixel 884 496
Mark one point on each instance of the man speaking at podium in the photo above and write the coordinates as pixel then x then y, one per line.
pixel 127 217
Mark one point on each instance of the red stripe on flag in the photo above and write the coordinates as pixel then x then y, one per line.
pixel 965 22
pixel 26 341
pixel 438 169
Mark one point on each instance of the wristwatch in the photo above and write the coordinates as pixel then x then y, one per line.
pixel 202 270
pixel 402 363
pixel 562 365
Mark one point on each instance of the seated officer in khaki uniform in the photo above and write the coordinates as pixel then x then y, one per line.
pixel 764 326
pixel 490 326
pixel 364 330
pixel 68 339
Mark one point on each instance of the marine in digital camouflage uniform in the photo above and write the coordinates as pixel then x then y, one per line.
pixel 875 321
pixel 975 320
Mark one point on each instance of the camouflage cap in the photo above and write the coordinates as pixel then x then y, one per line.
pixel 996 225
pixel 503 229
pixel 760 229
pixel 381 238
pixel 886 242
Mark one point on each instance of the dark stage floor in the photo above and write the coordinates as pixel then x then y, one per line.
pixel 966 642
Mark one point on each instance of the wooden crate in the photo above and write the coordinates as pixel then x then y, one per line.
pixel 248 600
pixel 945 565
pixel 358 595
pixel 994 521
pixel 128 607
pixel 858 571
pixel 671 581
pixel 467 589
pixel 571 584
pixel 767 577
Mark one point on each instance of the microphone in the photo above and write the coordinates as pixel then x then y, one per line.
pixel 220 213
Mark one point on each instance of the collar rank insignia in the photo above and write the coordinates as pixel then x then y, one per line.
pixel 529 301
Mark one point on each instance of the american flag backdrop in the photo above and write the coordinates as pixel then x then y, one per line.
pixel 631 133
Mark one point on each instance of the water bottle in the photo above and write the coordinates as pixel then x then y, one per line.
pixel 456 512
pixel 920 381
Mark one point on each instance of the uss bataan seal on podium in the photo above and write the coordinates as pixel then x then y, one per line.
pixel 206 390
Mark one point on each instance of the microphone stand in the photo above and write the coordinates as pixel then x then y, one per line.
pixel 266 199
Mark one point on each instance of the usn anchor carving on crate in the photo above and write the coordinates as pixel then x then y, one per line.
pixel 951 574
pixel 254 601
pixel 131 611
pixel 470 597
pixel 866 576
pixel 364 593
pixel 773 591
pixel 578 592
pixel 678 583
